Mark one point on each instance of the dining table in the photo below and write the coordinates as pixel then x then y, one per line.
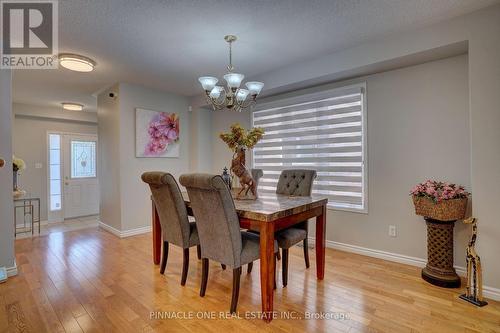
pixel 268 214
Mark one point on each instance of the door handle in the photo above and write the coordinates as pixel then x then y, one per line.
pixel 2 162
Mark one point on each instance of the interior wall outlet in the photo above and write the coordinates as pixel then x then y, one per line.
pixel 38 165
pixel 392 230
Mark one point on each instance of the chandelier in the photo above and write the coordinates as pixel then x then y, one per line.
pixel 233 97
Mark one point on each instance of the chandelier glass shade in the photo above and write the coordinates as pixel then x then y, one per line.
pixel 232 97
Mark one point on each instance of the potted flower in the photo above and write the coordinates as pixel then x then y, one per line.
pixel 441 204
pixel 440 200
pixel 17 165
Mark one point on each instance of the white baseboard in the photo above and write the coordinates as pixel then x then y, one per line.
pixel 125 233
pixel 136 231
pixel 492 293
pixel 489 292
pixel 12 271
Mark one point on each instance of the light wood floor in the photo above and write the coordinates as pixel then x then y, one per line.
pixel 89 280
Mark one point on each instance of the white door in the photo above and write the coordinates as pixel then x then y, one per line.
pixel 81 186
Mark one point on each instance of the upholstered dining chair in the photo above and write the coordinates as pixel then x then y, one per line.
pixel 294 182
pixel 219 229
pixel 175 226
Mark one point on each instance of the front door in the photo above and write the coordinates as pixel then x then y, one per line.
pixel 81 186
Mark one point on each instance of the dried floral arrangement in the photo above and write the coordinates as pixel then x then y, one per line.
pixel 239 137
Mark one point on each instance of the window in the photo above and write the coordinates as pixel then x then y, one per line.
pixel 55 172
pixel 323 131
pixel 83 157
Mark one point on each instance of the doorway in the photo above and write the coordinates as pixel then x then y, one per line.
pixel 72 177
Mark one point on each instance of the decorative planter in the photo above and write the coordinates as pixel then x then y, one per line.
pixel 440 218
pixel 446 210
pixel 439 270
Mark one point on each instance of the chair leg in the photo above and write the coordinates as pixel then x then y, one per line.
pixel 164 258
pixel 249 268
pixel 236 289
pixel 198 251
pixel 185 266
pixel 278 256
pixel 284 263
pixel 223 266
pixel 306 253
pixel 204 276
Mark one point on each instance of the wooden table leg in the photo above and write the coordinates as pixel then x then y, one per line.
pixel 320 244
pixel 267 269
pixel 156 235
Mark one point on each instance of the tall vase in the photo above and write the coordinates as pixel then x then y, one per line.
pixel 15 188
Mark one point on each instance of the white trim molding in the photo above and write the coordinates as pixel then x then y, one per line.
pixel 12 271
pixel 124 233
pixel 492 293
pixel 488 292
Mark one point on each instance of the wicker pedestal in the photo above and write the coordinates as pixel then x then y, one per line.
pixel 439 269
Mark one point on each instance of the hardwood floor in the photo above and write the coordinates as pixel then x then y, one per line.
pixel 88 280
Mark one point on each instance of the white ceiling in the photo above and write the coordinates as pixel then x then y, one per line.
pixel 168 44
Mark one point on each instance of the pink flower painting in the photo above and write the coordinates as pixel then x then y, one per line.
pixel 157 134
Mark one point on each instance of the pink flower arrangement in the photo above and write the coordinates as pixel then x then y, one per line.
pixel 163 130
pixel 439 191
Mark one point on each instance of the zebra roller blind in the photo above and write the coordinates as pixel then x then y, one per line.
pixel 324 132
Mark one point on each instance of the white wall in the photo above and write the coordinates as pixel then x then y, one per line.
pixel 481 31
pixel 417 128
pixel 484 85
pixel 136 205
pixel 30 143
pixel 125 203
pixel 108 113
pixel 6 206
pixel 200 151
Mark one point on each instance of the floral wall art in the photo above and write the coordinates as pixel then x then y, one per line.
pixel 156 134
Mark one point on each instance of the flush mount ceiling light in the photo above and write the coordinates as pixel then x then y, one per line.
pixel 76 62
pixel 232 97
pixel 72 106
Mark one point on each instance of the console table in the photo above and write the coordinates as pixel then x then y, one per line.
pixel 28 205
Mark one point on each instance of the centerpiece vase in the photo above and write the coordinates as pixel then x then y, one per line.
pixel 14 181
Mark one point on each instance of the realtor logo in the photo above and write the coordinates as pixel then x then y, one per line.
pixel 29 34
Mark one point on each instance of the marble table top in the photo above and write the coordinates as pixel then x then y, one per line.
pixel 271 206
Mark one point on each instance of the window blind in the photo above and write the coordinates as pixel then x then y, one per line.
pixel 324 132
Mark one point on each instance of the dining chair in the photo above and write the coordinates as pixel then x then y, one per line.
pixel 175 226
pixel 294 182
pixel 219 229
pixel 256 175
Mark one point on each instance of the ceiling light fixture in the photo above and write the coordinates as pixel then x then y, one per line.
pixel 76 62
pixel 233 97
pixel 72 106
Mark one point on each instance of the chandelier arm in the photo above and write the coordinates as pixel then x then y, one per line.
pixel 219 102
pixel 244 106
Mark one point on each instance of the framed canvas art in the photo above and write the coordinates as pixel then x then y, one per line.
pixel 156 134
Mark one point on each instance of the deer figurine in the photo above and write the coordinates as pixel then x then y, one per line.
pixel 474 289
